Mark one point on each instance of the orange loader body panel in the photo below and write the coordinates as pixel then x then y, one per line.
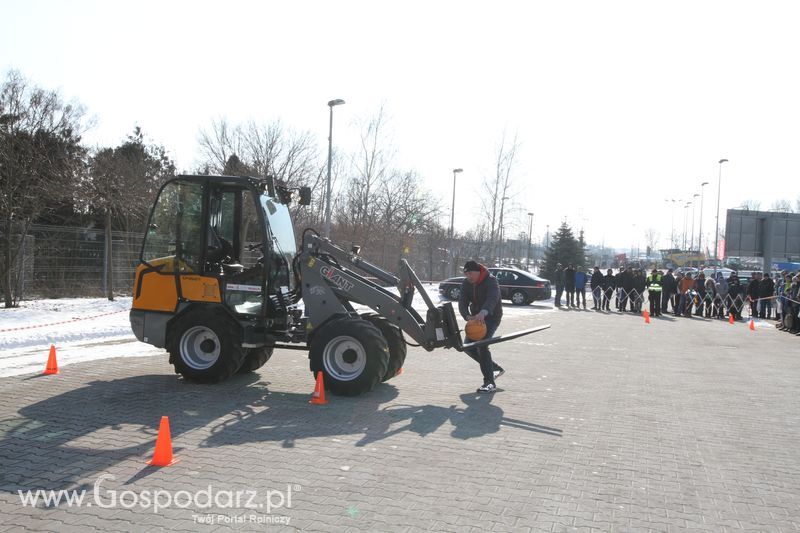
pixel 156 291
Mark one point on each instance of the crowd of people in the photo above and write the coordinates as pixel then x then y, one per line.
pixel 685 294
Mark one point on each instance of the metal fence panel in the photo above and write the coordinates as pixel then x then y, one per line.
pixel 60 262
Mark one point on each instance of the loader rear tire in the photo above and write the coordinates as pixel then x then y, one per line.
pixel 255 359
pixel 204 346
pixel 351 353
pixel 394 339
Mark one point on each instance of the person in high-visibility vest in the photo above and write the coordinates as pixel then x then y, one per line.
pixel 654 292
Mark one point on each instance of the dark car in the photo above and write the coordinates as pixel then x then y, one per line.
pixel 516 285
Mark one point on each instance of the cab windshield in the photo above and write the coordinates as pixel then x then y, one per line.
pixel 280 234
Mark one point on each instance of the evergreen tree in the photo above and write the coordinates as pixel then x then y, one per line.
pixel 565 249
pixel 123 181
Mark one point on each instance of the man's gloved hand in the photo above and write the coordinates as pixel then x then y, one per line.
pixel 480 317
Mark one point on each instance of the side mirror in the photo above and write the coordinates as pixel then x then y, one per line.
pixel 305 196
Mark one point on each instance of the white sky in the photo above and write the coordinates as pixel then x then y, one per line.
pixel 618 105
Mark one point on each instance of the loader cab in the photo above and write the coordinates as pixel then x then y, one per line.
pixel 217 239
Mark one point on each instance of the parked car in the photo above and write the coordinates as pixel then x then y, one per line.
pixel 726 272
pixel 516 285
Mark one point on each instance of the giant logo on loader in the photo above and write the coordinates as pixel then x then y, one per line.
pixel 336 278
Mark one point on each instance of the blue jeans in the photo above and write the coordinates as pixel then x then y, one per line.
pixel 766 309
pixel 684 301
pixel 483 355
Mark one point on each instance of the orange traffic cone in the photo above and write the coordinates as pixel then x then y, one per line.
pixel 752 325
pixel 318 397
pixel 646 316
pixel 163 454
pixel 730 318
pixel 52 364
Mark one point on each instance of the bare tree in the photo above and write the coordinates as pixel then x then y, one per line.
pixel 218 144
pixel 370 168
pixel 434 241
pixel 291 157
pixel 497 188
pixel 476 243
pixel 41 159
pixel 782 205
pixel 751 205
pixel 651 237
pixel 383 208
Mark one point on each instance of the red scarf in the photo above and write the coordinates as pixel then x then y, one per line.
pixel 484 274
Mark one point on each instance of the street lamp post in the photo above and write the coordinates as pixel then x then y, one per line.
pixel 326 231
pixel 719 188
pixel 685 221
pixel 691 238
pixel 667 200
pixel 672 231
pixel 499 250
pixel 530 229
pixel 452 214
pixel 700 233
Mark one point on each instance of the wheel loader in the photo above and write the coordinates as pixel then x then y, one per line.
pixel 221 285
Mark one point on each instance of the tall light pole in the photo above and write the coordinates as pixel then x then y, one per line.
pixel 530 230
pixel 452 214
pixel 672 232
pixel 691 238
pixel 700 233
pixel 719 188
pixel 685 220
pixel 547 238
pixel 326 231
pixel 667 200
pixel 499 250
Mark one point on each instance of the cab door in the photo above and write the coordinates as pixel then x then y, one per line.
pixel 172 249
pixel 242 272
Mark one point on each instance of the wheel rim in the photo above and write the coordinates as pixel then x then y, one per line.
pixel 455 292
pixel 344 358
pixel 200 348
pixel 518 298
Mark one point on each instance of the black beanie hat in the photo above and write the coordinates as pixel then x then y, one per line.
pixel 472 266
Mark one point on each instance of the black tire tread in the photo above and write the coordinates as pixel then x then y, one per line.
pixel 525 300
pixel 232 354
pixel 377 353
pixel 450 292
pixel 255 359
pixel 394 338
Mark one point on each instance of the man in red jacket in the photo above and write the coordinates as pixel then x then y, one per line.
pixel 480 301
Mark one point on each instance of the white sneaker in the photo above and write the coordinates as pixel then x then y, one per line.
pixel 488 388
pixel 498 373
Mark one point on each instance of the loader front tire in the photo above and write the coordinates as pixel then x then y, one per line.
pixel 352 354
pixel 204 346
pixel 255 359
pixel 394 339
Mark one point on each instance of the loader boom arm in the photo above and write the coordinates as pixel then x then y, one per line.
pixel 329 283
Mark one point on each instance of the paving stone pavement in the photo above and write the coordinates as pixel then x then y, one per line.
pixel 603 423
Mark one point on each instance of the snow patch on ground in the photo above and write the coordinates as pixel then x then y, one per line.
pixel 68 320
